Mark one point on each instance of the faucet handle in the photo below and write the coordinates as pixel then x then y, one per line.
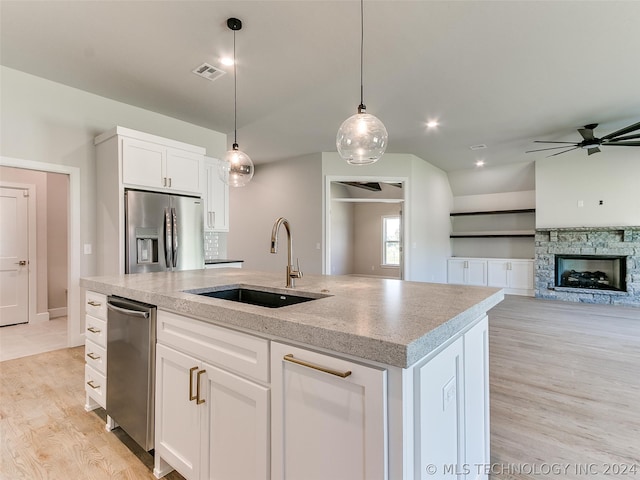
pixel 297 273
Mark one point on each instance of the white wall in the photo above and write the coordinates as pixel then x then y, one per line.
pixel 612 176
pixel 367 248
pixel 289 188
pixel 488 179
pixel 341 232
pixel 49 122
pixel 57 225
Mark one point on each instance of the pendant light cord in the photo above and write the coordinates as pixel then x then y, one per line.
pixel 361 55
pixel 235 95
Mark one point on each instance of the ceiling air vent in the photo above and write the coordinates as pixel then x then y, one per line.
pixel 208 71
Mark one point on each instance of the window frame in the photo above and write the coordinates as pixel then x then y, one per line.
pixel 385 263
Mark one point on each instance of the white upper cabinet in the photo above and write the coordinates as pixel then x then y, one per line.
pixel 155 163
pixel 215 197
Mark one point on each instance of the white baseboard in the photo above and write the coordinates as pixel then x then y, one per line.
pixel 57 312
pixel 41 317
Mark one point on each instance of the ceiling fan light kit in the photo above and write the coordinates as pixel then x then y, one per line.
pixel 591 143
pixel 236 169
pixel 362 138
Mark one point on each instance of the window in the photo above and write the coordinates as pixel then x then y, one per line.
pixel 391 241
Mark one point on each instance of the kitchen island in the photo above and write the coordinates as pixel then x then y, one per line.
pixel 412 389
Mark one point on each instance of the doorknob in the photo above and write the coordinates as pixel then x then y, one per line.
pixel 22 263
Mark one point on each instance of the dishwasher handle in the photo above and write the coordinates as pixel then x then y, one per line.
pixel 126 311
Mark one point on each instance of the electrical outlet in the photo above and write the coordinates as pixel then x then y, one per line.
pixel 87 249
pixel 580 203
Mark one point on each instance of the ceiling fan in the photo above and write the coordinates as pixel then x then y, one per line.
pixel 591 143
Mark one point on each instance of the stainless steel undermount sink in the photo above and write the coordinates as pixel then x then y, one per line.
pixel 257 295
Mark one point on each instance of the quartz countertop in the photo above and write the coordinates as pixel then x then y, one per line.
pixel 394 322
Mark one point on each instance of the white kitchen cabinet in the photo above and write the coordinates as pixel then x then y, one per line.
pixel 210 423
pixel 516 276
pixel 467 271
pixel 215 198
pixel 452 408
pixel 325 425
pixel 153 165
pixel 95 350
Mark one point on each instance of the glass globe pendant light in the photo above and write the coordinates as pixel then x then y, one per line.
pixel 236 169
pixel 362 138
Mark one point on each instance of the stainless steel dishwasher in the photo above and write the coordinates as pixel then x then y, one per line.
pixel 131 358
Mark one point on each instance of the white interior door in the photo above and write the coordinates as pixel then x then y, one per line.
pixel 14 256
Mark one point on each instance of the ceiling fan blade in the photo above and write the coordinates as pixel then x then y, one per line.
pixel 550 148
pixel 587 133
pixel 627 137
pixel 562 152
pixel 591 151
pixel 549 141
pixel 623 144
pixel 617 133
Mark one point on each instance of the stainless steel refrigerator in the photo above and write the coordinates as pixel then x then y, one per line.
pixel 163 232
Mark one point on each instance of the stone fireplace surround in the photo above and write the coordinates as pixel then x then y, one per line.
pixel 619 241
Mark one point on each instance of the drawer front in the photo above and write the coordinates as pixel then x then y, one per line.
pixel 96 330
pixel 96 356
pixel 95 384
pixel 96 305
pixel 223 347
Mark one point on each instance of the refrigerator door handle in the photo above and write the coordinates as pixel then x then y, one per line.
pixel 174 221
pixel 168 237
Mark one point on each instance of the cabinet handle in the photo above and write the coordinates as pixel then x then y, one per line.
pixel 94 304
pixel 466 264
pixel 93 356
pixel 289 358
pixel 169 182
pixel 92 385
pixel 191 395
pixel 213 221
pixel 199 400
pixel 94 330
pixel 164 181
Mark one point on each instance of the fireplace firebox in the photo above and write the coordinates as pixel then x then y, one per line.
pixel 598 272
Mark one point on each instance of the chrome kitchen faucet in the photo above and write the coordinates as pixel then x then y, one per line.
pixel 292 273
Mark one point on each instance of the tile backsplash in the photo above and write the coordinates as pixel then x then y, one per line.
pixel 215 245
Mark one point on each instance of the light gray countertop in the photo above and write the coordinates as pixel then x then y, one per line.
pixel 389 321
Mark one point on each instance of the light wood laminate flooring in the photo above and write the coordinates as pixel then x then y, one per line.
pixel 565 391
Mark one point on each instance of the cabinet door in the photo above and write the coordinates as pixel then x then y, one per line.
pixel 498 273
pixel 325 426
pixel 177 437
pixel 235 442
pixel 476 394
pixel 476 272
pixel 521 274
pixel 439 412
pixel 216 215
pixel 143 163
pixel 184 171
pixel 456 271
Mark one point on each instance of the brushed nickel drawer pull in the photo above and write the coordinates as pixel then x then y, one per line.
pixel 289 358
pixel 94 330
pixel 92 385
pixel 199 400
pixel 93 356
pixel 94 303
pixel 191 395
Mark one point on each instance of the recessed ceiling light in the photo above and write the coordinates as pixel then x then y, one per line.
pixel 432 124
pixel 480 163
pixel 226 61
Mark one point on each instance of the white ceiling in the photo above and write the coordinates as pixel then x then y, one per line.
pixel 496 73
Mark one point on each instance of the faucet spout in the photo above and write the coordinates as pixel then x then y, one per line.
pixel 292 272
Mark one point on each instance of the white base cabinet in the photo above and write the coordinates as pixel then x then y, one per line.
pixel 230 405
pixel 325 424
pixel 95 370
pixel 514 275
pixel 210 423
